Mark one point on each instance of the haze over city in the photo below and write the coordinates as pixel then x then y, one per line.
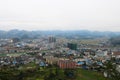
pixel 100 15
pixel 59 39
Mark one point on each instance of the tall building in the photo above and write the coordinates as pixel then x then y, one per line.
pixel 51 39
pixel 72 46
pixel 15 40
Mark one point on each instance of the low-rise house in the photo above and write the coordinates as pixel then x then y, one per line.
pixel 79 59
pixel 80 63
pixel 116 54
pixel 42 64
pixel 101 53
pixel 118 68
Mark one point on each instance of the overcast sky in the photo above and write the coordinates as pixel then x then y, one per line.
pixel 100 15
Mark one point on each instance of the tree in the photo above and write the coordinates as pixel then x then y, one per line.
pixel 111 71
pixel 70 74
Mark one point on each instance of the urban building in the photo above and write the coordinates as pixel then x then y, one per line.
pixel 66 64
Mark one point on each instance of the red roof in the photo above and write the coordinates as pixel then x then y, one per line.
pixel 116 53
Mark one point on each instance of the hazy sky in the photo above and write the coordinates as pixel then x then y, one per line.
pixel 101 15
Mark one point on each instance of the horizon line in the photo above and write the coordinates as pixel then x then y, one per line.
pixel 59 30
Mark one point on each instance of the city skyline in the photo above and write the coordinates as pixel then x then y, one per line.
pixel 93 15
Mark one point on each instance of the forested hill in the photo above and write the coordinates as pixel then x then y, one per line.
pixel 22 34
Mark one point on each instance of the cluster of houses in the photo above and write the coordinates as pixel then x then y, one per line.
pixel 16 60
pixel 56 52
pixel 86 59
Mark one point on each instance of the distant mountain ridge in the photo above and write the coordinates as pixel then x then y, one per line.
pixel 22 34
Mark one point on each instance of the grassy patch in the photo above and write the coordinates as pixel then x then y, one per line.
pixel 89 75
